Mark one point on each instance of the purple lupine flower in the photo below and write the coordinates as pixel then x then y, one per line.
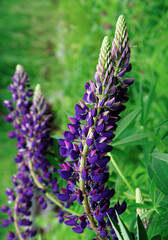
pixel 90 134
pixel 32 131
pixel 22 192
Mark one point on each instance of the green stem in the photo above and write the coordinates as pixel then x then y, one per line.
pixel 16 220
pixel 82 186
pixel 47 194
pixel 120 173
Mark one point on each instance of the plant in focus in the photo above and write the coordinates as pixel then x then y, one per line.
pixel 85 147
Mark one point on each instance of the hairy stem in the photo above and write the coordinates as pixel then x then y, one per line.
pixel 82 186
pixel 121 174
pixel 47 194
pixel 16 220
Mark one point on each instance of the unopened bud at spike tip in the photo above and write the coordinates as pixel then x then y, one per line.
pixel 104 54
pixel 104 66
pixel 19 68
pixel 139 198
pixel 121 22
pixel 120 47
pixel 37 94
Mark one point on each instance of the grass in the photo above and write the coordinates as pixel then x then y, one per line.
pixel 58 44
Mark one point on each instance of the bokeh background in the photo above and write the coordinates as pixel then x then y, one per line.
pixel 58 42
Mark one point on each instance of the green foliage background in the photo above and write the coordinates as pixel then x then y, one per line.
pixel 58 42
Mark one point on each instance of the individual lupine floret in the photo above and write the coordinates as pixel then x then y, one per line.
pixel 92 130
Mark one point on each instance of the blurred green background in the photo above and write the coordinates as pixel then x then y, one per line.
pixel 58 42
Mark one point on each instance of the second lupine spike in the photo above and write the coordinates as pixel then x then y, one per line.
pixel 34 171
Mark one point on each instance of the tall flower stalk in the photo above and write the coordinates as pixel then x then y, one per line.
pixel 90 134
pixel 28 113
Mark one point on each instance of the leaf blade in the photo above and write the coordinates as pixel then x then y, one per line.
pixel 127 121
pixel 124 230
pixel 131 139
pixel 116 228
pixel 152 189
pixel 141 232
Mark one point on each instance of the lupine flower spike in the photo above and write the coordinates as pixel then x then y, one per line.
pixel 88 140
pixel 32 130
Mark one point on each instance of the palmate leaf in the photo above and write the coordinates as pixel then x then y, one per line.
pixel 160 185
pixel 126 122
pixel 159 167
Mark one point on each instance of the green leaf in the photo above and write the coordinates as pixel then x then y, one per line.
pixel 161 156
pixel 124 230
pixel 163 123
pixel 56 136
pixel 165 135
pixel 116 228
pixel 160 185
pixel 147 214
pixel 151 171
pixel 141 232
pixel 163 222
pixel 152 189
pixel 160 198
pixel 132 139
pixel 56 148
pixel 140 206
pixel 69 114
pixel 141 103
pixel 55 158
pixel 53 161
pixel 163 202
pixel 156 237
pixel 40 237
pixel 153 226
pixel 160 166
pixel 126 122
